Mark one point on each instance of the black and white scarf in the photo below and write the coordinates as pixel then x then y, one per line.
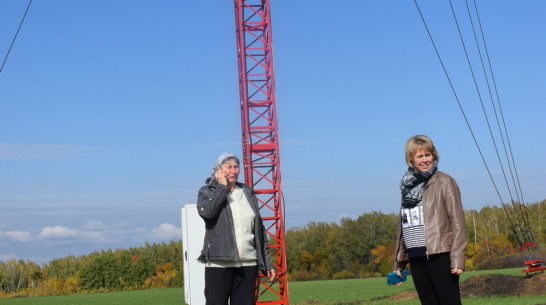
pixel 413 184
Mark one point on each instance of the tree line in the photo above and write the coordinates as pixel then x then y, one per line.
pixel 352 248
pixel 364 247
pixel 150 266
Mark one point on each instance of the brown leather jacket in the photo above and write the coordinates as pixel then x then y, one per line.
pixel 445 226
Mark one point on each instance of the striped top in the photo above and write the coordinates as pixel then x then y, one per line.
pixel 413 230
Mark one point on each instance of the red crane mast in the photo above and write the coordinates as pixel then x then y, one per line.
pixel 259 133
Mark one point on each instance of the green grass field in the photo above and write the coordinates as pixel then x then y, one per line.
pixel 369 291
pixel 334 292
pixel 171 296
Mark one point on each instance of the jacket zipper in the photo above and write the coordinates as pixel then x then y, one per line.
pixel 424 222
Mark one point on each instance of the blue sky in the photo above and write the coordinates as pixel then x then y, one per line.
pixel 113 111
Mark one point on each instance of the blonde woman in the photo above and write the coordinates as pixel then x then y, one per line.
pixel 432 228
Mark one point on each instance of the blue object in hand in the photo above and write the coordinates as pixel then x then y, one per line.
pixel 393 278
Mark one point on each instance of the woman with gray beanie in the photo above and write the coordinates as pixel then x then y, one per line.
pixel 235 245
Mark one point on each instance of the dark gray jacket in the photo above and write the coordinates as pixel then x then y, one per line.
pixel 219 243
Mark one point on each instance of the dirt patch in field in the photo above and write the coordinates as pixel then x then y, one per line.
pixel 500 284
pixel 402 296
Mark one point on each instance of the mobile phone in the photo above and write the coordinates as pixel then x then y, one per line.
pixel 393 278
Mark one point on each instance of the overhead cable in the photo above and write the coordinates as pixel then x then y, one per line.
pixel 522 220
pixel 462 110
pixel 500 108
pixel 13 41
pixel 456 97
pixel 518 219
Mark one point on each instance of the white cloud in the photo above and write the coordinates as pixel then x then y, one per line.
pixel 57 232
pixel 93 234
pixel 167 231
pixel 18 236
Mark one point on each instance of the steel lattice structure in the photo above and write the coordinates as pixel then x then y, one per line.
pixel 259 133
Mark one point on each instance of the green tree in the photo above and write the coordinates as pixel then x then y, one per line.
pixel 102 272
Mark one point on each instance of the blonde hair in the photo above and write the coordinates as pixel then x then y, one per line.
pixel 420 142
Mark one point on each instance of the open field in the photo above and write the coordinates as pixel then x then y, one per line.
pixel 172 296
pixel 375 291
pixel 346 292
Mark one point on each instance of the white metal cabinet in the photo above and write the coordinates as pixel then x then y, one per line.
pixel 193 234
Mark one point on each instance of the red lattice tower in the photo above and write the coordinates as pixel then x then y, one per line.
pixel 259 133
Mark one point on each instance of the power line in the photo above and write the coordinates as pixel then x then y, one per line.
pixel 516 235
pixel 500 109
pixel 14 38
pixel 521 219
pixel 529 234
pixel 456 97
pixel 478 90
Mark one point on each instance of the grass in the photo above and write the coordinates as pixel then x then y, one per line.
pixel 343 290
pixel 170 296
pixel 370 291
pixel 333 292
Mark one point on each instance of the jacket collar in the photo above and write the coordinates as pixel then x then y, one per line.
pixel 433 178
pixel 214 182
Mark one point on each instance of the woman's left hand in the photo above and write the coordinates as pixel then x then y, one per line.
pixel 456 271
pixel 271 274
